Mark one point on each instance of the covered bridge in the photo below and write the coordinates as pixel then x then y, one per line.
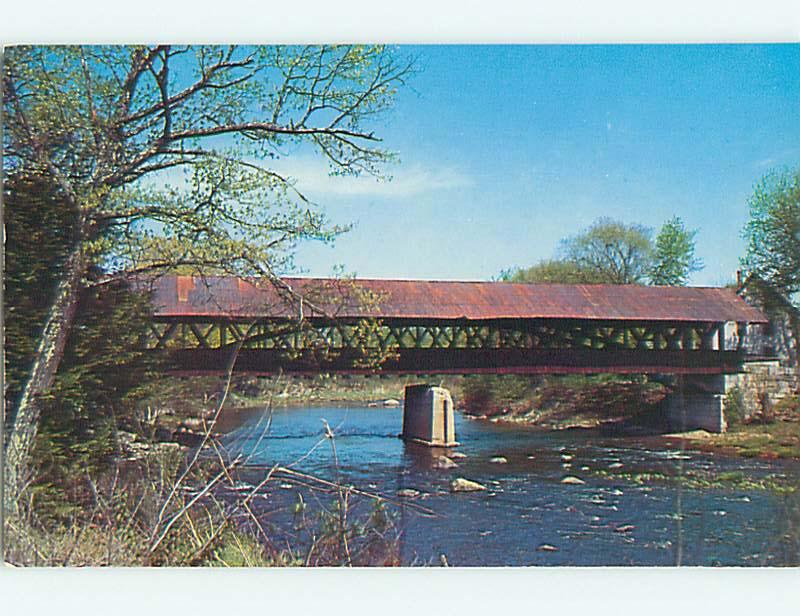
pixel 312 325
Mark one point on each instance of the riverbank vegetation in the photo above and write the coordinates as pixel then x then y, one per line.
pixel 154 510
pixel 558 402
pixel 774 436
pixel 730 480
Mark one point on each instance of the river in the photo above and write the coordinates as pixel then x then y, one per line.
pixel 527 516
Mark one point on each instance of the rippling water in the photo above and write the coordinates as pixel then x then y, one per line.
pixel 605 521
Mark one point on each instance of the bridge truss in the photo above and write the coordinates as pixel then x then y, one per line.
pixel 201 345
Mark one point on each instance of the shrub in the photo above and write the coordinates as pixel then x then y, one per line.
pixel 734 405
pixel 788 407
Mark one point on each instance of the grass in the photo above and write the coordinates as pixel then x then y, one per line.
pixel 734 480
pixel 779 439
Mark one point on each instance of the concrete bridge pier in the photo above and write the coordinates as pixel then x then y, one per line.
pixel 428 416
pixel 698 402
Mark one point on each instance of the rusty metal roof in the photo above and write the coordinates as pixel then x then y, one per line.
pixel 184 296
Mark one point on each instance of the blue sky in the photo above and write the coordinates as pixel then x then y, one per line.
pixel 507 149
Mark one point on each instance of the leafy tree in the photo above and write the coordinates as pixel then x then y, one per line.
pixel 38 240
pixel 161 155
pixel 615 252
pixel 773 233
pixel 673 256
pixel 102 373
pixel 554 271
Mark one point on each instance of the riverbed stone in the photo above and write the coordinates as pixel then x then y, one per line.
pixel 444 462
pixel 457 455
pixel 408 493
pixel 498 460
pixel 460 484
pixel 546 547
pixel 195 423
pixel 572 480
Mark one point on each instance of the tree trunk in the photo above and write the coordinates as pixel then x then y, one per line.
pixel 24 426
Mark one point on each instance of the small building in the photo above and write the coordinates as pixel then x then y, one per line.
pixel 778 338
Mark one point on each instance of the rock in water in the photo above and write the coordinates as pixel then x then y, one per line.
pixel 625 528
pixel 457 455
pixel 546 547
pixel 459 484
pixel 408 493
pixel 391 403
pixel 499 460
pixel 444 462
pixel 569 479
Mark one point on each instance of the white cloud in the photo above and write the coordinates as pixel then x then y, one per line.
pixel 312 177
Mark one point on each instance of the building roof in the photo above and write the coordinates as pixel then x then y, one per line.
pixel 185 296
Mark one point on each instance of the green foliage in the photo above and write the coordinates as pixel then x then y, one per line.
pixel 39 235
pixel 707 480
pixel 103 375
pixel 345 533
pixel 735 406
pixel 617 252
pixel 612 252
pixel 600 396
pixel 153 159
pixel 773 233
pixel 554 271
pixel 103 372
pixel 673 257
pixel 788 407
pixel 493 394
pixel 557 397
pixel 168 151
pixel 239 549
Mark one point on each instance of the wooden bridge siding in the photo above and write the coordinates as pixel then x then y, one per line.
pixel 203 346
pixel 413 334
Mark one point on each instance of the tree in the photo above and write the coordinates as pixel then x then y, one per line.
pixel 162 155
pixel 616 252
pixel 103 370
pixel 554 271
pixel 37 242
pixel 673 257
pixel 773 233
